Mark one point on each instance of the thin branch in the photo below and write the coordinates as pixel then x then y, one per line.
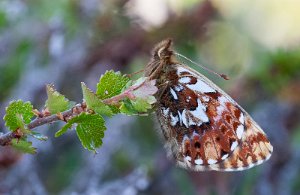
pixel 6 138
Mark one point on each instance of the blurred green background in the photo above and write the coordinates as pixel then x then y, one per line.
pixel 64 42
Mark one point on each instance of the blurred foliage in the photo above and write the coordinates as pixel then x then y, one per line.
pixel 3 20
pixel 283 68
pixel 13 67
pixel 66 11
pixel 61 168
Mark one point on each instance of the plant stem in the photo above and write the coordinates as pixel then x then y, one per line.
pixel 5 139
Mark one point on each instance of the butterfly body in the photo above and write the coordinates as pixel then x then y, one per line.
pixel 204 128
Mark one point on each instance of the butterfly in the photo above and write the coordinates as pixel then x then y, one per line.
pixel 203 127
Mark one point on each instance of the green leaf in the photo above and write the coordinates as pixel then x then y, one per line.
pixel 65 128
pixel 17 114
pixel 137 106
pixel 111 84
pixel 56 102
pixel 95 103
pixel 141 105
pixel 20 122
pixel 90 129
pixel 127 108
pixel 114 109
pixel 143 97
pixel 23 146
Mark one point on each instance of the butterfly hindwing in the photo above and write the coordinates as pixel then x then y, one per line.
pixel 204 128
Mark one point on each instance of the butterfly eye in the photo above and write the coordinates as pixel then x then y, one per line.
pixel 164 52
pixel 160 51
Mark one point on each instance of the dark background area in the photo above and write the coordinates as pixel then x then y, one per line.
pixel 64 42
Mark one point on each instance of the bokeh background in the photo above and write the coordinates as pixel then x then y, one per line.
pixel 256 43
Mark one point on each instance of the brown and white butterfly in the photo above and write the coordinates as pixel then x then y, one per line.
pixel 204 128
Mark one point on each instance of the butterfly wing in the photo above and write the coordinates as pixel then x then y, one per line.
pixel 204 128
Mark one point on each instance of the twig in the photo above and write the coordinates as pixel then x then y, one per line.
pixel 6 138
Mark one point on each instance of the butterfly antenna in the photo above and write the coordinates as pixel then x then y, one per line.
pixel 205 68
pixel 137 72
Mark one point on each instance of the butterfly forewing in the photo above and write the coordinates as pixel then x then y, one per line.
pixel 204 128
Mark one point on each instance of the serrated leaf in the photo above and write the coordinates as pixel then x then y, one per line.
pixel 127 108
pixel 15 111
pixel 56 102
pixel 114 109
pixel 23 146
pixel 20 122
pixel 65 128
pixel 141 105
pixel 90 129
pixel 95 103
pixel 111 84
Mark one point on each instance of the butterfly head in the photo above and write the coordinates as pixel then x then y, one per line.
pixel 162 55
pixel 162 51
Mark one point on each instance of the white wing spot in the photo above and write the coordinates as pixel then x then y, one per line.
pixel 205 98
pixel 199 161
pixel 240 131
pixel 174 94
pixel 188 158
pixel 188 99
pixel 200 113
pixel 174 120
pixel 225 156
pixel 220 109
pixel 181 69
pixel 259 162
pixel 195 134
pixel 233 145
pixel 201 86
pixel 180 117
pixel 211 161
pixel 184 118
pixel 241 119
pixel 251 165
pixel 184 80
pixel 240 168
pixel 165 111
pixel 229 169
pixel 178 88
